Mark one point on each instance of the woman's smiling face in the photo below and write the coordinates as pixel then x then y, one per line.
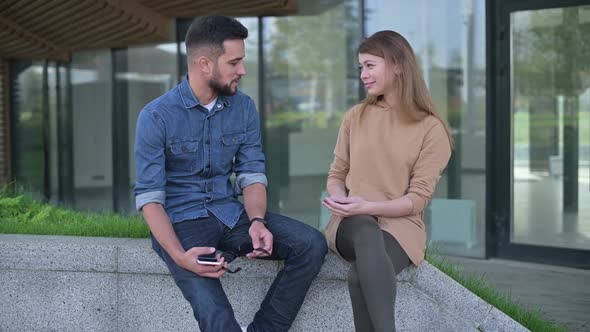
pixel 374 74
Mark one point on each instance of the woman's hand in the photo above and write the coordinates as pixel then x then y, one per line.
pixel 346 206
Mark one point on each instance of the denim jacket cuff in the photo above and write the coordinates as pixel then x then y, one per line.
pixel 150 197
pixel 245 179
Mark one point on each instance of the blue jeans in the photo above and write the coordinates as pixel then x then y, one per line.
pixel 302 248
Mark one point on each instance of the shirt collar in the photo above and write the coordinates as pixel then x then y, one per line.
pixel 190 100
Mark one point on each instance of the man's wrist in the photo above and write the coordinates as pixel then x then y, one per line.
pixel 258 219
pixel 177 256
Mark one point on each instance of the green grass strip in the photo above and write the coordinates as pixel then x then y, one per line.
pixel 22 215
pixel 481 286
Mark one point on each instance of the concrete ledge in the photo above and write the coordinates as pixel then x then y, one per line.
pixel 105 284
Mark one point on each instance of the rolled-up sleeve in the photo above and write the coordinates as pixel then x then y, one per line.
pixel 249 161
pixel 431 162
pixel 150 159
pixel 150 197
pixel 245 179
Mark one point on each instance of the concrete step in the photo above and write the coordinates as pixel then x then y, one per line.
pixel 60 283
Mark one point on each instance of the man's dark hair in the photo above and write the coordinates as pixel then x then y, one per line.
pixel 211 32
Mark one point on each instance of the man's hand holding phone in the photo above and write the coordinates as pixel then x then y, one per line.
pixel 205 267
pixel 209 259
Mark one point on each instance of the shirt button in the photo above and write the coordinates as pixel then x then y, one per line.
pixel 184 149
pixel 218 105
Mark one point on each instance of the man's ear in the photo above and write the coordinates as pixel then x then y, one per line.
pixel 204 64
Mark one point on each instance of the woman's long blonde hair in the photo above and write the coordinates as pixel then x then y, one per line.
pixel 413 94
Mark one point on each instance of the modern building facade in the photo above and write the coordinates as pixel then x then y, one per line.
pixel 511 77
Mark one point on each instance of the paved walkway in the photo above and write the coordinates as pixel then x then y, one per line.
pixel 563 294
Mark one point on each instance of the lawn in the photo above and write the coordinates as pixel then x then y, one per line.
pixel 22 215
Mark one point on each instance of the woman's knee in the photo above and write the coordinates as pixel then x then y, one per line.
pixel 359 228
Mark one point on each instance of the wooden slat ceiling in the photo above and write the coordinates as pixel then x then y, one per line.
pixel 51 29
pixel 192 8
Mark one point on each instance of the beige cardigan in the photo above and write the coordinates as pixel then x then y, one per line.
pixel 387 155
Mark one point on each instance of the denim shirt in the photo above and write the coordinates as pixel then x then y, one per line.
pixel 185 154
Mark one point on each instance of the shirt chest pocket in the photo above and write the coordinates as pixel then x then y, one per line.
pixel 185 156
pixel 231 144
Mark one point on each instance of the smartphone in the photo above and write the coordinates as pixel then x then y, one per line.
pixel 209 259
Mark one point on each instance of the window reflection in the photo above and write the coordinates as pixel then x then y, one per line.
pixel 91 84
pixel 551 127
pixel 310 82
pixel 53 133
pixel 28 132
pixel 151 72
pixel 448 38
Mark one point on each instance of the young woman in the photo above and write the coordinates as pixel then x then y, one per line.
pixel 390 153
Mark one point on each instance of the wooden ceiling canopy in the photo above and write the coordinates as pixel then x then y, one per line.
pixel 51 29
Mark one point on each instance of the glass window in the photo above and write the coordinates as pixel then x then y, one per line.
pixel 53 133
pixel 448 38
pixel 64 139
pixel 249 84
pixel 151 72
pixel 550 56
pixel 310 82
pixel 27 99
pixel 91 84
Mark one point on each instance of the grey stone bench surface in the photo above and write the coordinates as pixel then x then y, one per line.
pixel 62 283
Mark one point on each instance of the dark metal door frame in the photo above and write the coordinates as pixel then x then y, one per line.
pixel 499 161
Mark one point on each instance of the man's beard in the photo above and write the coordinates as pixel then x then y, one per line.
pixel 219 88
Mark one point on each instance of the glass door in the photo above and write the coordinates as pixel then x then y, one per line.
pixel 544 93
